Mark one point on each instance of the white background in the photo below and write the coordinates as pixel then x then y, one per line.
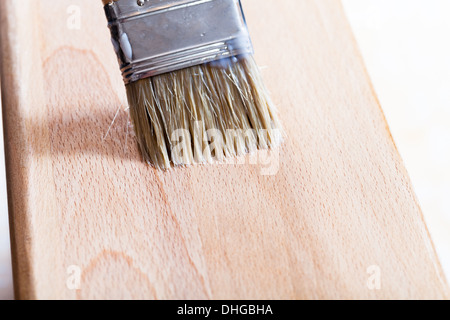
pixel 406 47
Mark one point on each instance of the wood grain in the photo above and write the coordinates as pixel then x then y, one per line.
pixel 333 201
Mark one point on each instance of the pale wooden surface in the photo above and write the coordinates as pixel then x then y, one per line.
pixel 412 82
pixel 340 202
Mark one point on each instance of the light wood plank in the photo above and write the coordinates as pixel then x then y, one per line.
pixel 339 201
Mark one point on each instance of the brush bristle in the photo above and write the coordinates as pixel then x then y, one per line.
pixel 195 115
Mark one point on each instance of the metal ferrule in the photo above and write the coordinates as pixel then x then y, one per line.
pixel 152 37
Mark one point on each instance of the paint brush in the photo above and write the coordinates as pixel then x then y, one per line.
pixel 195 92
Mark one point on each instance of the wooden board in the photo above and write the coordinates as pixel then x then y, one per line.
pixel 331 215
